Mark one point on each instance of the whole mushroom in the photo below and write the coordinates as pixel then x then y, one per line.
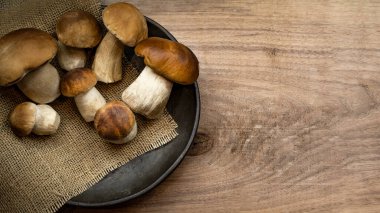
pixel 116 123
pixel 76 30
pixel 24 59
pixel 126 26
pixel 166 62
pixel 80 84
pixel 28 117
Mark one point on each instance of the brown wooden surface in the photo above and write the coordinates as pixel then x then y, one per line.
pixel 290 117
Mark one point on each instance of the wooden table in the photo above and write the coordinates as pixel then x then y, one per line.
pixel 290 116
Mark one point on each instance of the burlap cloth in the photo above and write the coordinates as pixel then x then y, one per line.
pixel 41 173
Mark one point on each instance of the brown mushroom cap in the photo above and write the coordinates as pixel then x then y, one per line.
pixel 78 29
pixel 23 118
pixel 126 22
pixel 77 81
pixel 22 51
pixel 169 59
pixel 114 121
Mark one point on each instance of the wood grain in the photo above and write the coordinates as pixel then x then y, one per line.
pixel 290 117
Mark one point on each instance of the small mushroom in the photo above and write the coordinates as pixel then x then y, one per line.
pixel 27 52
pixel 76 30
pixel 166 62
pixel 116 123
pixel 126 26
pixel 80 84
pixel 28 117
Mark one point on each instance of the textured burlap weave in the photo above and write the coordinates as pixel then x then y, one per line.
pixel 40 173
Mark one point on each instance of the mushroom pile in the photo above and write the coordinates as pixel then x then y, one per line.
pixel 25 56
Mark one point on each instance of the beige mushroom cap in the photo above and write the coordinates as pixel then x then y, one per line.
pixel 126 22
pixel 78 29
pixel 22 51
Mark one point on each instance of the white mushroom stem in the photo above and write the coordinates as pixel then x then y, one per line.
pixel 88 103
pixel 47 120
pixel 148 94
pixel 70 58
pixel 107 61
pixel 41 85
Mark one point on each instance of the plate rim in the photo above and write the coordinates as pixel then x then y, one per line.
pixel 176 162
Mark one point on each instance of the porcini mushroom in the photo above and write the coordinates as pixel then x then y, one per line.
pixel 80 84
pixel 26 50
pixel 116 123
pixel 126 26
pixel 166 62
pixel 76 30
pixel 28 117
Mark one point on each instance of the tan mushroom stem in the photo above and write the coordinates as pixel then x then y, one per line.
pixel 107 61
pixel 88 103
pixel 148 94
pixel 41 85
pixel 70 58
pixel 47 120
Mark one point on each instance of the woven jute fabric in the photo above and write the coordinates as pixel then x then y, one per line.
pixel 41 173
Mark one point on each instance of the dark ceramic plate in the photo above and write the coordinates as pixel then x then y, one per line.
pixel 145 172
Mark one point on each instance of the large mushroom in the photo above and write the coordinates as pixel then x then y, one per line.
pixel 27 52
pixel 116 123
pixel 126 26
pixel 28 117
pixel 76 30
pixel 166 62
pixel 80 84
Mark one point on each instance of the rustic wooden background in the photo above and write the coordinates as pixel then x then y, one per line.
pixel 290 117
